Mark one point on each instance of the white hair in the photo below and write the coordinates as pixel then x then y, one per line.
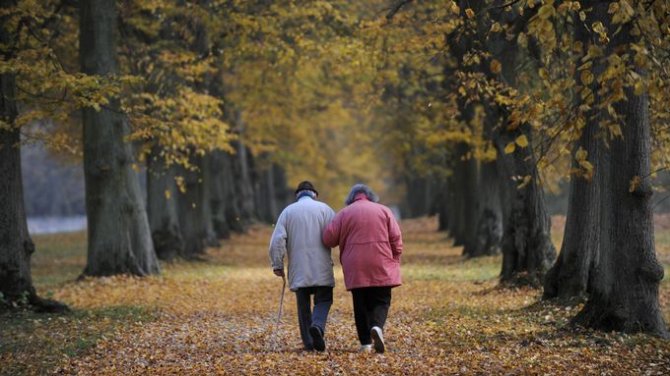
pixel 361 188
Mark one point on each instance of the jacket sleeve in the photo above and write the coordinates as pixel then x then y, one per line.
pixel 395 236
pixel 278 243
pixel 331 235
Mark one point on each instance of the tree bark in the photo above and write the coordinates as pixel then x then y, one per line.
pixel 232 208
pixel 489 215
pixel 195 217
pixel 526 244
pixel 118 229
pixel 266 196
pixel 217 188
pixel 420 196
pixel 625 288
pixel 16 247
pixel 283 193
pixel 162 207
pixel 244 186
pixel 570 277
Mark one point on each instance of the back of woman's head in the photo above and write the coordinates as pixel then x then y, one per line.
pixel 361 188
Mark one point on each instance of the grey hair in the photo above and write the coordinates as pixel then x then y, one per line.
pixel 361 188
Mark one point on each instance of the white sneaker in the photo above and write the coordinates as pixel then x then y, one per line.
pixel 377 339
pixel 365 348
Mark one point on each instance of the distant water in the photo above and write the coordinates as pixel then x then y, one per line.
pixel 51 225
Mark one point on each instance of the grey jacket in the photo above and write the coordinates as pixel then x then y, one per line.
pixel 298 233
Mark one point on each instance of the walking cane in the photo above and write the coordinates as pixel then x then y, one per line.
pixel 281 308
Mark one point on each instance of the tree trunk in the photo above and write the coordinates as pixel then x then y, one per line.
pixel 217 188
pixel 420 195
pixel 283 193
pixel 211 240
pixel 624 293
pixel 118 229
pixel 244 188
pixel 571 274
pixel 162 207
pixel 526 244
pixel 16 247
pixel 266 196
pixel 489 216
pixel 195 218
pixel 232 209
pixel 464 186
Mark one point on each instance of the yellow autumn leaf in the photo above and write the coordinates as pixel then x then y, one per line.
pixel 634 183
pixel 522 141
pixel 496 28
pixel 470 13
pixel 509 149
pixel 586 77
pixel 495 66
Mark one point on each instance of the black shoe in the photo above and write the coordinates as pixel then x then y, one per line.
pixel 317 338
pixel 377 339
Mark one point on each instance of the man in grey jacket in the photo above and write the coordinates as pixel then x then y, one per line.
pixel 298 234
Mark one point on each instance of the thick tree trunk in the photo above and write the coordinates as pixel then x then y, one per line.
pixel 230 197
pixel 118 229
pixel 526 244
pixel 217 188
pixel 463 189
pixel 452 206
pixel 571 274
pixel 489 215
pixel 420 195
pixel 162 207
pixel 195 218
pixel 211 239
pixel 283 193
pixel 16 247
pixel 624 292
pixel 266 196
pixel 244 186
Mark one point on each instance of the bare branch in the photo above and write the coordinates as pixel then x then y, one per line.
pixel 395 8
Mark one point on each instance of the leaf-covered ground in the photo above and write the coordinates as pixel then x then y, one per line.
pixel 219 316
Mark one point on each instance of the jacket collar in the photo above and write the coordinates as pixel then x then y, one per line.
pixel 360 196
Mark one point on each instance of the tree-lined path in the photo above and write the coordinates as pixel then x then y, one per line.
pixel 449 317
pixel 191 122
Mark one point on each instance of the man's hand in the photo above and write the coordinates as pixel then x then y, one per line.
pixel 278 272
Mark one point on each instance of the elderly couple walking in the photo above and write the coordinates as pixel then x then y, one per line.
pixel 370 246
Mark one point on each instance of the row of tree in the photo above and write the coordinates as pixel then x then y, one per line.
pixel 223 102
pixel 475 108
pixel 535 91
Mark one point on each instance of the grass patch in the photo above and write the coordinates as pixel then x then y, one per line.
pixel 33 343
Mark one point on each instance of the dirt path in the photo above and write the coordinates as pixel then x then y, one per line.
pixel 217 317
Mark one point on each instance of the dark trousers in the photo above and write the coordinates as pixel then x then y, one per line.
pixel 323 299
pixel 371 306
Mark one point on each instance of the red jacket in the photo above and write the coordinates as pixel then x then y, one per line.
pixel 370 244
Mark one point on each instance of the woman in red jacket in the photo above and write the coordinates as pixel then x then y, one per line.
pixel 370 247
